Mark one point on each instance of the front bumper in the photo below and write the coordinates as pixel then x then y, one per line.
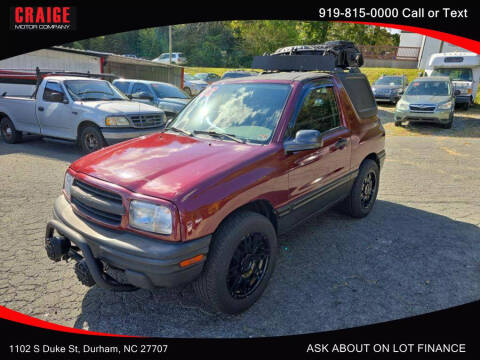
pixel 114 135
pixel 387 98
pixel 145 262
pixel 439 117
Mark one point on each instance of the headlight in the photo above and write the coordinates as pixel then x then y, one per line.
pixel 117 121
pixel 373 89
pixel 150 217
pixel 67 184
pixel 402 105
pixel 445 106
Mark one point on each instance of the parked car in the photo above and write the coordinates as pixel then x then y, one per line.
pixel 166 97
pixel 237 74
pixel 208 77
pixel 177 58
pixel 206 199
pixel 389 88
pixel 427 99
pixel 89 111
pixel 192 85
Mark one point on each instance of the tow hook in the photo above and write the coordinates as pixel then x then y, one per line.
pixel 57 247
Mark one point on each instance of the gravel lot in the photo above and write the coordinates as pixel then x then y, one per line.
pixel 417 252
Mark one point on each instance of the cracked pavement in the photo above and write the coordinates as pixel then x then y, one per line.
pixel 417 252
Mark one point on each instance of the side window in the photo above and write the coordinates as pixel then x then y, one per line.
pixel 319 111
pixel 122 86
pixel 139 88
pixel 52 88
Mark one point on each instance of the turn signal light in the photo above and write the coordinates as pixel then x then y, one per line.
pixel 191 261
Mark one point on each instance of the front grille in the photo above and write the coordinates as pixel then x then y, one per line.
pixel 96 203
pixel 422 108
pixel 147 120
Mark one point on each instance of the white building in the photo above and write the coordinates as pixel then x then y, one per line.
pixel 427 45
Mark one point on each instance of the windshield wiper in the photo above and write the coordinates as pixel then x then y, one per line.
pixel 218 135
pixel 179 130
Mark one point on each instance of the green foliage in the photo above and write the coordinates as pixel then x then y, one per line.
pixel 233 43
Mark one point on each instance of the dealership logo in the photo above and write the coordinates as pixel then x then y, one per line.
pixel 42 18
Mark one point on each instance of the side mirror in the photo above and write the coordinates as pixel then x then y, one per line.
pixel 57 97
pixel 304 140
pixel 457 92
pixel 142 96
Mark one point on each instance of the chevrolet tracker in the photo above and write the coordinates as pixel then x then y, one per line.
pixel 204 200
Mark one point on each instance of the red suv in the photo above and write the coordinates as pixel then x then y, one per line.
pixel 205 199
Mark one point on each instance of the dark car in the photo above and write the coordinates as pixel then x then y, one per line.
pixel 205 200
pixel 389 88
pixel 166 97
pixel 237 74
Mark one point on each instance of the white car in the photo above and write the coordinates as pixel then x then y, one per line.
pixel 192 85
pixel 177 58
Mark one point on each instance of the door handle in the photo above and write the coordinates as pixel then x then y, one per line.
pixel 341 143
pixel 40 108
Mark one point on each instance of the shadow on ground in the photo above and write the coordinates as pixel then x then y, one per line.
pixel 36 146
pixel 465 124
pixel 334 272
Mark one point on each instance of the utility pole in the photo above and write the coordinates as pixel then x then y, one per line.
pixel 170 42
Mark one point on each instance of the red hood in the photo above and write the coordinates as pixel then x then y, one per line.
pixel 165 165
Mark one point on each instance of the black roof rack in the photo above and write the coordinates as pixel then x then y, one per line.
pixel 331 56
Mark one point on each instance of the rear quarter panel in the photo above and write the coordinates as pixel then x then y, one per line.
pixel 367 134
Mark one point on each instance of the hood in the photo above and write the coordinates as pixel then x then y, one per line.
pixel 119 107
pixel 198 82
pixel 166 165
pixel 425 99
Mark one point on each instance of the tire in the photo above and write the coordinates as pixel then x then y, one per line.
pixel 91 139
pixel 449 124
pixel 9 134
pixel 398 123
pixel 221 284
pixel 356 205
pixel 188 91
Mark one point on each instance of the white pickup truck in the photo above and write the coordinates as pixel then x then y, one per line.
pixel 89 111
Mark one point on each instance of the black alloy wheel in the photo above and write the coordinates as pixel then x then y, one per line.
pixel 248 266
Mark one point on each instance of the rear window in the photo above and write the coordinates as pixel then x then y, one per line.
pixel 360 93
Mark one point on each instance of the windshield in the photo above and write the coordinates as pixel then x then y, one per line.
pixel 85 90
pixel 454 74
pixel 247 111
pixel 168 91
pixel 189 77
pixel 432 88
pixel 389 80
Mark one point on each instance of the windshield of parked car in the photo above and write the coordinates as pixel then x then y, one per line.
pixel 189 77
pixel 91 90
pixel 239 74
pixel 454 74
pixel 389 80
pixel 248 111
pixel 432 88
pixel 168 91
